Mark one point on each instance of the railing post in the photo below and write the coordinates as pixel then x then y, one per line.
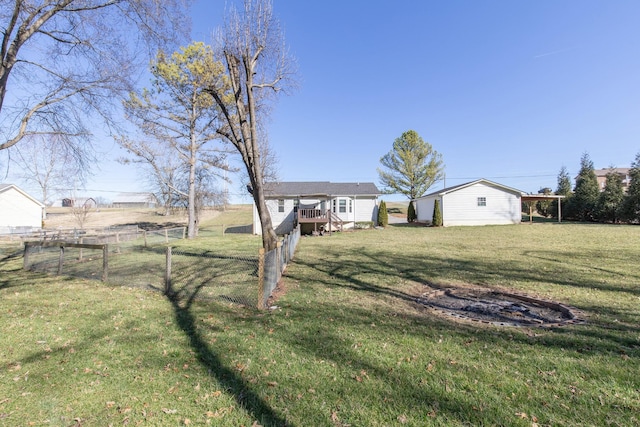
pixel 261 279
pixel 167 273
pixel 105 262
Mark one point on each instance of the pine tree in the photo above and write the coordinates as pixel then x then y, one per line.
pixel 585 196
pixel 411 213
pixel 544 207
pixel 383 215
pixel 563 189
pixel 437 214
pixel 610 201
pixel 631 208
pixel 411 167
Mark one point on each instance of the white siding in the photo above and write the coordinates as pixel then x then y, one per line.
pixel 424 208
pixel 362 209
pixel 461 207
pixel 18 210
pixel 366 209
pixel 282 221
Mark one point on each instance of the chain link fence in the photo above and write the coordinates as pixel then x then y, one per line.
pixel 150 263
pixel 274 263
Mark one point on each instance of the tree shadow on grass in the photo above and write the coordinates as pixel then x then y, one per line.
pixel 246 398
pixel 384 274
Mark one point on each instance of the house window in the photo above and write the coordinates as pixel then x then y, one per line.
pixel 343 205
pixel 482 201
pixel 280 205
pixel 296 205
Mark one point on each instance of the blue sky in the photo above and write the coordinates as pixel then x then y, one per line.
pixel 505 90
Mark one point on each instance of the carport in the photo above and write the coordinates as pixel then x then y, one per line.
pixel 539 197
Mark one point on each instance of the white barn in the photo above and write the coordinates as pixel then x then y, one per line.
pixel 480 202
pixel 18 210
pixel 318 205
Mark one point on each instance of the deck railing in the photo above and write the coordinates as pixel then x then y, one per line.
pixel 312 214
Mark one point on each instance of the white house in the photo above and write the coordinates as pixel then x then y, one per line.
pixel 318 206
pixel 18 209
pixel 479 202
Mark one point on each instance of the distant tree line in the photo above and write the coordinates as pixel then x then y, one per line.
pixel 587 203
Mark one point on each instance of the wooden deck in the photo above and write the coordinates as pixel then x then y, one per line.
pixel 313 216
pixel 319 216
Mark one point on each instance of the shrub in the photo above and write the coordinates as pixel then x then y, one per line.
pixel 437 214
pixel 411 213
pixel 383 216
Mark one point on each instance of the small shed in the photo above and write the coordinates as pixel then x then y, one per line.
pixel 135 200
pixel 479 202
pixel 18 210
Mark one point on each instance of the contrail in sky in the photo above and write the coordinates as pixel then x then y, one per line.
pixel 555 52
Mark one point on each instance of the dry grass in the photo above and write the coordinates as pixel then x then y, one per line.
pixel 64 217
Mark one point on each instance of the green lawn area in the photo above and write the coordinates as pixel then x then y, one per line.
pixel 347 343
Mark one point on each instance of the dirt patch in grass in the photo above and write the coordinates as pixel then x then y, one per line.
pixel 497 307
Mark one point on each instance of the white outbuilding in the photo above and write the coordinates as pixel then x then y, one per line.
pixel 480 202
pixel 18 210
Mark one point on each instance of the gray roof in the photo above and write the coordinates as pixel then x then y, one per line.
pixel 444 191
pixel 320 188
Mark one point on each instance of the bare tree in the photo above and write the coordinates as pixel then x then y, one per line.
pixel 258 66
pixel 82 212
pixel 180 117
pixel 49 164
pixel 160 167
pixel 64 62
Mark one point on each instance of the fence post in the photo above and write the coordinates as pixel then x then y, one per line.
pixel 279 259
pixel 261 279
pixel 184 233
pixel 105 262
pixel 61 260
pixel 167 273
pixel 144 234
pixel 117 242
pixel 166 236
pixel 223 229
pixel 81 242
pixel 25 256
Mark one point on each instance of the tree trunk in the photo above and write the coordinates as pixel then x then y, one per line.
pixel 191 205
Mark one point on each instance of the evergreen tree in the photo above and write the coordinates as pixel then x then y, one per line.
pixel 544 207
pixel 563 189
pixel 383 215
pixel 632 199
pixel 411 167
pixel 411 213
pixel 586 194
pixel 437 214
pixel 610 200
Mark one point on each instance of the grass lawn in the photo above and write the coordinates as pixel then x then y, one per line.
pixel 347 344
